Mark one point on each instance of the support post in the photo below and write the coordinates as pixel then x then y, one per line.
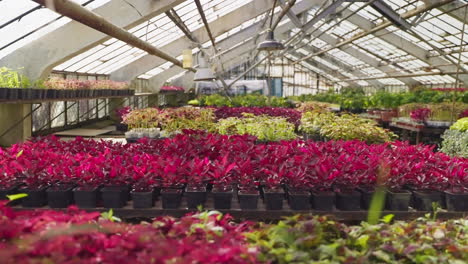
pixel 114 104
pixel 12 114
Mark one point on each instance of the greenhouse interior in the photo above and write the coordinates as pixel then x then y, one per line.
pixel 234 131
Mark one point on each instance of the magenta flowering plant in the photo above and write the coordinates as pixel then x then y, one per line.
pixel 463 114
pixel 220 173
pixel 420 114
pixel 123 111
pixel 172 88
pixel 292 115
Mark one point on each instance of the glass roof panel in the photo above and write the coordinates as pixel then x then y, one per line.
pixel 23 21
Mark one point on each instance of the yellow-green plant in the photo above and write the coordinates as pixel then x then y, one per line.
pixel 345 127
pixel 176 119
pixel 12 79
pixel 263 127
pixel 312 122
pixel 460 125
pixel 312 106
pixel 349 127
pixel 142 118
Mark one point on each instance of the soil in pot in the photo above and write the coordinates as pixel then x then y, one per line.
pixel 142 199
pixel 323 200
pixel 60 196
pixel 222 197
pixel 397 200
pixel 274 198
pixel 423 199
pixel 248 199
pixel 195 196
pixel 37 197
pixel 171 198
pixel 299 200
pixel 114 196
pixel 348 200
pixel 366 196
pixel 456 201
pixel 86 197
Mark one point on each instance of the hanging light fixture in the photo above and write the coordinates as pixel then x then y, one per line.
pixel 203 73
pixel 270 43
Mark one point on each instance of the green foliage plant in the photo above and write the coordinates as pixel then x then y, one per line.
pixel 318 239
pixel 265 128
pixel 12 79
pixel 455 143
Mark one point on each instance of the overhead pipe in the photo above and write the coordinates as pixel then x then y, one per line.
pixel 401 76
pixel 284 11
pixel 78 13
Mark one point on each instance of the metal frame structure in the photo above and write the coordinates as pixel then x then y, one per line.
pixel 414 42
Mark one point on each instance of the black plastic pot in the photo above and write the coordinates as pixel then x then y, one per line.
pixel 26 94
pixel 142 199
pixel 248 200
pixel 14 94
pixel 456 201
pixel 274 199
pixel 4 93
pixel 366 196
pixel 348 201
pixel 397 200
pixel 222 199
pixel 299 200
pixel 171 198
pixel 36 197
pixel 121 127
pixel 60 196
pixel 423 200
pixel 323 201
pixel 114 196
pixel 195 196
pixel 86 198
pixel 10 190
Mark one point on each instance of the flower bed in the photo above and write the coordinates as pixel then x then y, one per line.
pixel 196 159
pixel 80 237
pixel 244 101
pixel 344 127
pixel 264 128
pixel 292 115
pixel 209 237
pixel 308 239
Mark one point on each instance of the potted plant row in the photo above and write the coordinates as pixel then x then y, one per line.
pixel 306 174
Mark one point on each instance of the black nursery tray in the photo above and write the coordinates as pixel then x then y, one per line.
pixel 261 213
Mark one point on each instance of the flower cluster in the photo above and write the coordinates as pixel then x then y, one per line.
pixel 420 114
pixel 123 111
pixel 293 116
pixel 171 88
pixel 344 127
pixel 66 84
pixel 81 237
pixel 197 157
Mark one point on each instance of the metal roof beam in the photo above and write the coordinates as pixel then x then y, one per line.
pixel 39 57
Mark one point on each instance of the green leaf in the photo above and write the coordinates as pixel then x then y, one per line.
pixel 376 206
pixel 19 153
pixel 388 218
pixel 17 196
pixel 362 241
